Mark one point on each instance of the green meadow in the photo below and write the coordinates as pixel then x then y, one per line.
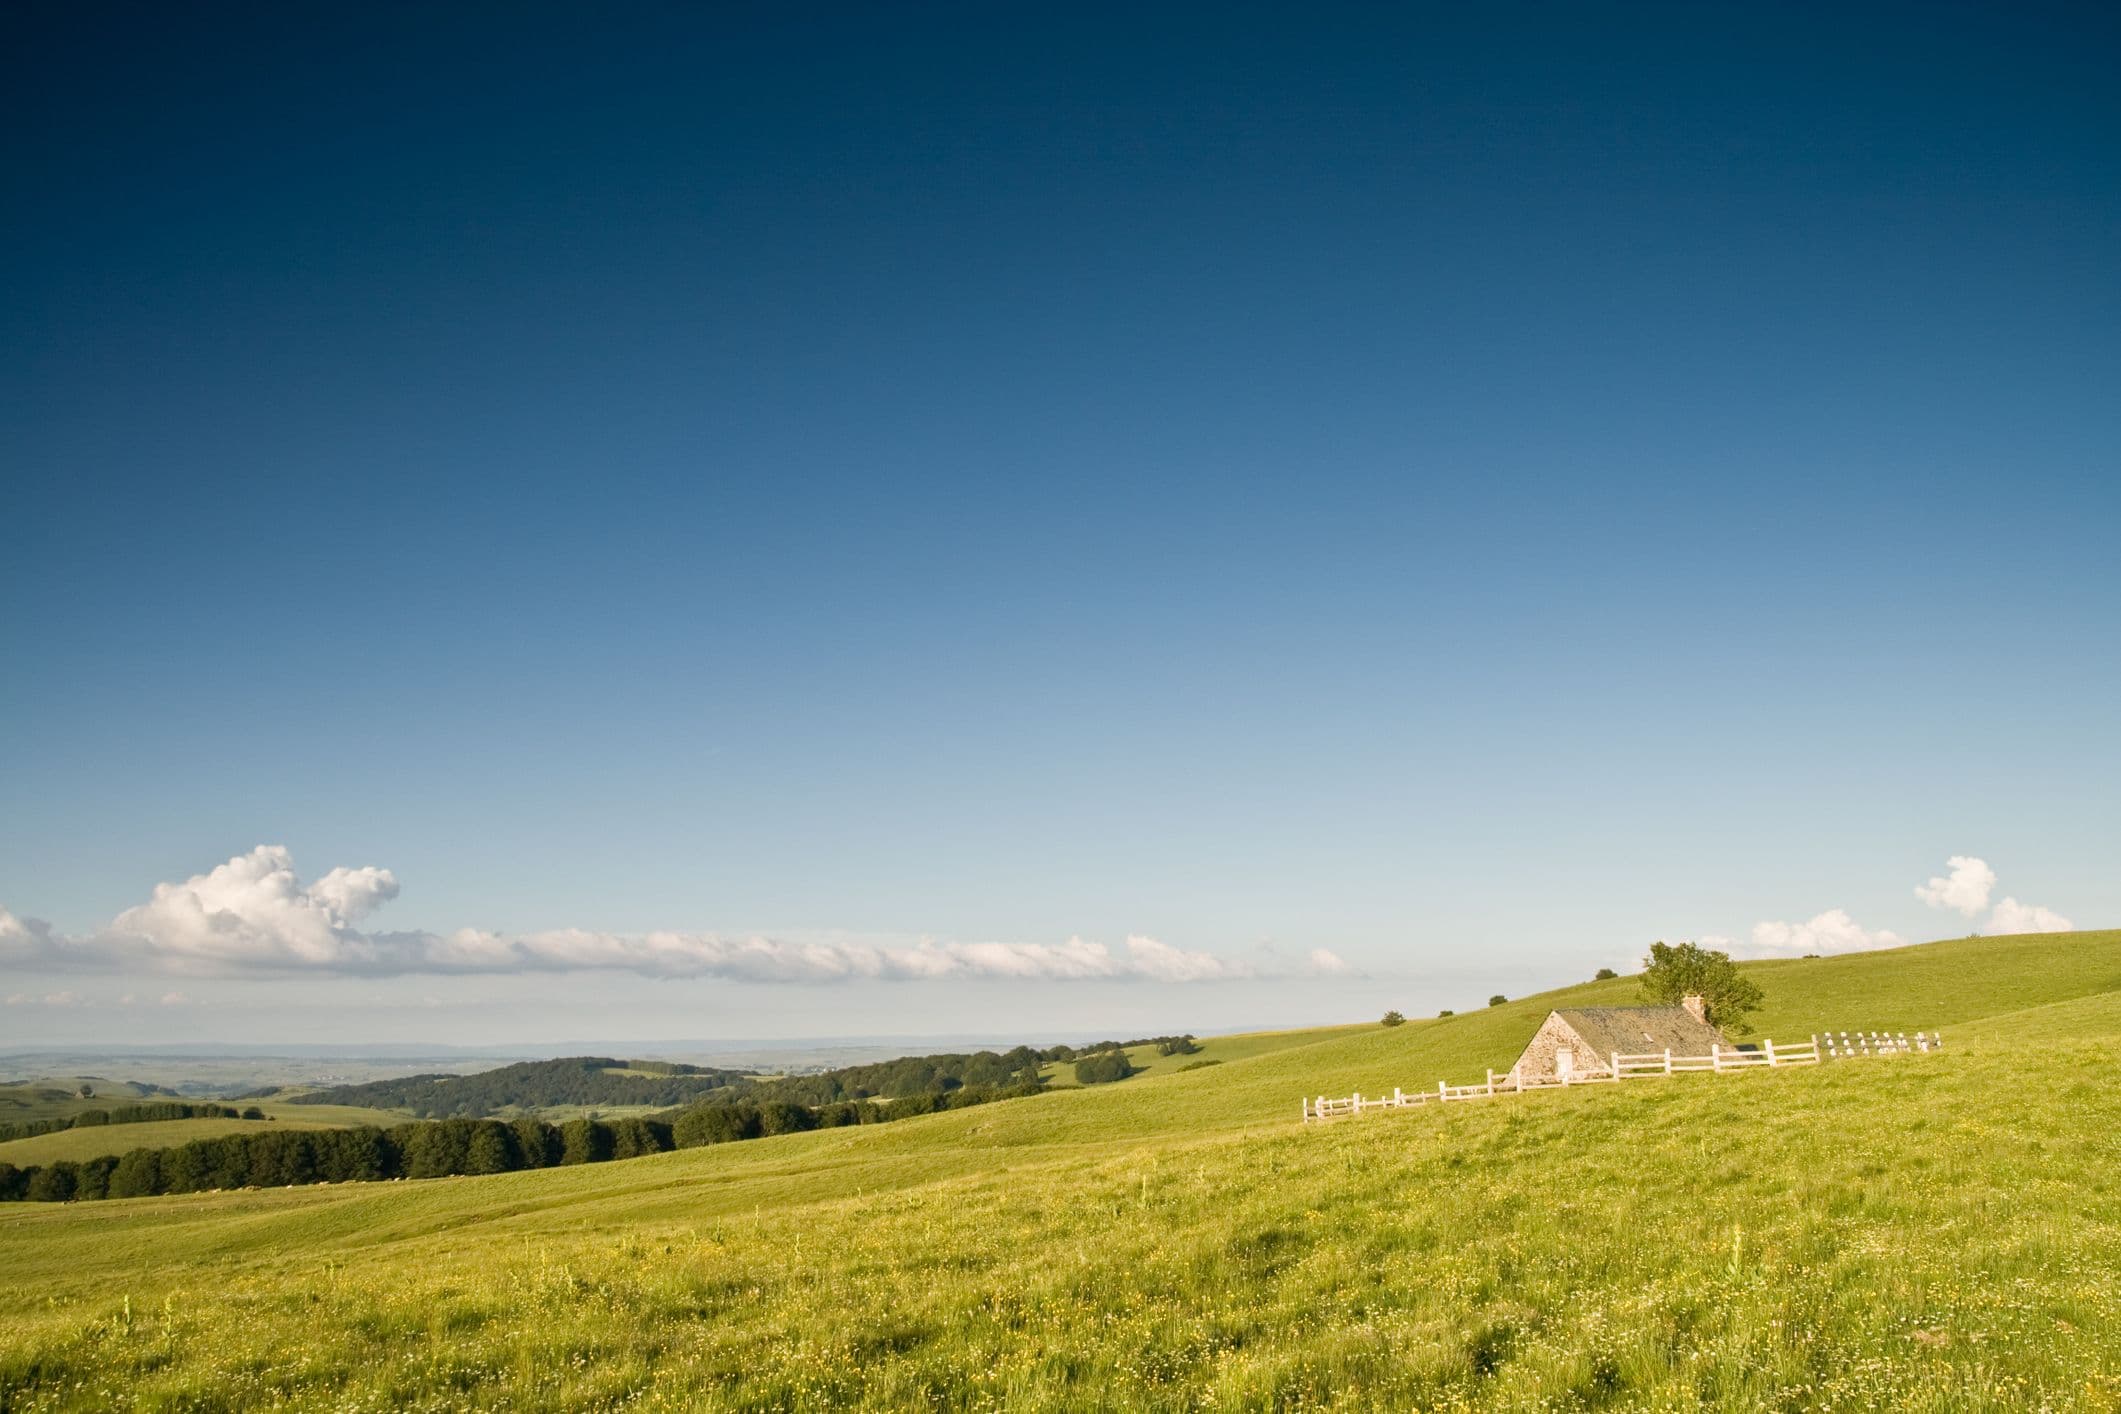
pixel 1927 1232
pixel 100 1139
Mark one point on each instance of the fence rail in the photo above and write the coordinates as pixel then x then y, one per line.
pixel 1721 1060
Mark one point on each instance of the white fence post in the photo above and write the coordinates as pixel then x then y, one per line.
pixel 1716 1058
pixel 1442 1091
pixel 1667 1060
pixel 1770 1046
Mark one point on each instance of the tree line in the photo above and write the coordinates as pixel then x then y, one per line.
pixel 440 1148
pixel 585 1081
pixel 126 1114
pixel 599 1082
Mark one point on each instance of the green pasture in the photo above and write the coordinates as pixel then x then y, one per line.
pixel 1926 1232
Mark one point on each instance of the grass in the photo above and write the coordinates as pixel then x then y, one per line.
pixel 59 1097
pixel 1061 1074
pixel 1927 1232
pixel 99 1139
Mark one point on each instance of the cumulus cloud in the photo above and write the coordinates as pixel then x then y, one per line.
pixel 254 915
pixel 1829 932
pixel 1965 886
pixel 1326 963
pixel 2012 916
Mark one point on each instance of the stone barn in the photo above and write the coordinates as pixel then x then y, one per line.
pixel 1579 1041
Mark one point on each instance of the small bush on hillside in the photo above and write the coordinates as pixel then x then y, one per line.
pixel 1197 1065
pixel 1446 1012
pixel 1176 1046
pixel 1604 974
pixel 1103 1068
pixel 1497 1000
pixel 1393 1018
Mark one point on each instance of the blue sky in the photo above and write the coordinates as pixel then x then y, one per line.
pixel 1468 492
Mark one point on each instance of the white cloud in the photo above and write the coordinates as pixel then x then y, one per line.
pixel 1965 887
pixel 254 915
pixel 1829 932
pixel 59 999
pixel 2012 916
pixel 352 894
pixel 174 999
pixel 1326 963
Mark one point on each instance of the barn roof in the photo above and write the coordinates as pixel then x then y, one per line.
pixel 1638 1030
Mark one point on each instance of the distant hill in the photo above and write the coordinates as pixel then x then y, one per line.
pixel 58 1097
pixel 569 1082
pixel 601 1082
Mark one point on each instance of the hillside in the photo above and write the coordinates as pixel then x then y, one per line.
pixel 98 1140
pixel 570 1082
pixel 1918 1232
pixel 59 1097
pixel 574 1084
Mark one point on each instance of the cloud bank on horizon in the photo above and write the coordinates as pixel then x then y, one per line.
pixel 1965 887
pixel 254 916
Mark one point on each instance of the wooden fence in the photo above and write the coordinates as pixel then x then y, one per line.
pixel 1721 1060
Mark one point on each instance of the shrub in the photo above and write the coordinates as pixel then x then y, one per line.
pixel 1197 1065
pixel 1177 1046
pixel 1604 974
pixel 1446 1012
pixel 1103 1068
pixel 1497 1000
pixel 1393 1018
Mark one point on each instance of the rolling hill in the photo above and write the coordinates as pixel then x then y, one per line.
pixel 1923 1232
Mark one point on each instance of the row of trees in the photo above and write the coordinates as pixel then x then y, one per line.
pixel 127 1114
pixel 1165 1046
pixel 604 1083
pixel 438 1148
pixel 600 1082
pixel 903 1078
pixel 573 1081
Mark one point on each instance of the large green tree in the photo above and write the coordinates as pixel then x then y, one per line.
pixel 1675 970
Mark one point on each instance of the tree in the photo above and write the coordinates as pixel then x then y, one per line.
pixel 1604 974
pixel 491 1149
pixel 1673 971
pixel 584 1141
pixel 1497 1000
pixel 1103 1068
pixel 1393 1018
pixel 1446 1012
pixel 87 1091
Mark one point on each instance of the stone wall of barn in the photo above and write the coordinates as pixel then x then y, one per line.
pixel 1553 1034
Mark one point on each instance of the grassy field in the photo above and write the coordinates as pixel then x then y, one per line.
pixel 1061 1074
pixel 1934 1232
pixel 59 1097
pixel 96 1140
